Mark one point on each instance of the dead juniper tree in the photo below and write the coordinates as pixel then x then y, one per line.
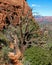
pixel 28 31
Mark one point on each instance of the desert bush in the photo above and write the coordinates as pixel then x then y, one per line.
pixel 38 56
pixel 4 55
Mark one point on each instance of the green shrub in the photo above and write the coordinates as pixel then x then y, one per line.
pixel 4 55
pixel 38 56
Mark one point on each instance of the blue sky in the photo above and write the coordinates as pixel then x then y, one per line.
pixel 42 7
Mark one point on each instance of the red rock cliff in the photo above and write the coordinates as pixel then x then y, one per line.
pixel 11 10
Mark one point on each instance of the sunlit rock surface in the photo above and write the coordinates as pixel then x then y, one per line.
pixel 11 10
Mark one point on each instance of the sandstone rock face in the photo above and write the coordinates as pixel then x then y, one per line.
pixel 11 10
pixel 15 58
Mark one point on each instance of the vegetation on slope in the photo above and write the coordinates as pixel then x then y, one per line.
pixel 38 56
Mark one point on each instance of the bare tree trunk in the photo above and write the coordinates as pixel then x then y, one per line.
pixel 21 36
pixel 16 43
